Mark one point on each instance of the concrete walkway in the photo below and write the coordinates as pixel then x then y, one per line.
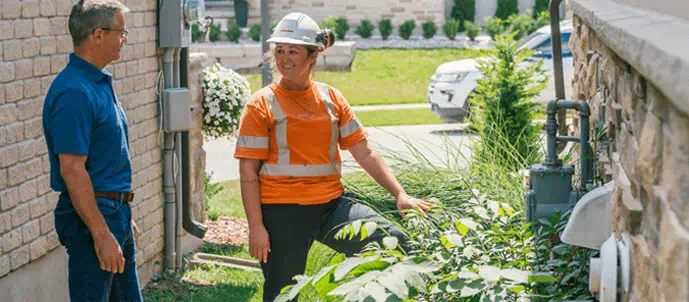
pixel 438 143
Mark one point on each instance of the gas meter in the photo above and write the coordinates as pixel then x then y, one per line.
pixel 175 20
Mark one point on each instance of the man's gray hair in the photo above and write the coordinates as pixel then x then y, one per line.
pixel 88 15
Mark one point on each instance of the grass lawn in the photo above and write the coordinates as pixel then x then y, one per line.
pixel 230 284
pixel 387 76
pixel 418 116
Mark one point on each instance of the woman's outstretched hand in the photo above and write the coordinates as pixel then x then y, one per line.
pixel 405 202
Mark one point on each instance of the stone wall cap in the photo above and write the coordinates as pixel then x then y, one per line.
pixel 656 45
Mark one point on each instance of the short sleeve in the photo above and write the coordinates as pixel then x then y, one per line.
pixel 254 136
pixel 70 122
pixel 351 129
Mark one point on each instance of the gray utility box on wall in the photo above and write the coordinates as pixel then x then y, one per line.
pixel 176 110
pixel 176 18
pixel 550 191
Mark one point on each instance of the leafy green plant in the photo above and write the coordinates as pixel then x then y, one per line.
pixel 464 10
pixel 255 32
pixel 385 28
pixel 341 28
pixel 540 6
pixel 472 30
pixel 494 27
pixel 214 34
pixel 407 28
pixel 503 104
pixel 233 32
pixel 429 29
pixel 507 8
pixel 196 32
pixel 365 29
pixel 520 25
pixel 542 19
pixel 451 28
pixel 210 190
pixel 330 22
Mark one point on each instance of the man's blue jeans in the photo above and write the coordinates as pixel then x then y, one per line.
pixel 87 282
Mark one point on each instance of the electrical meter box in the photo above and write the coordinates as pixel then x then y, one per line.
pixel 176 110
pixel 176 18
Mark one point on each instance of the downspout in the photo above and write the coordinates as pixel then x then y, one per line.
pixel 554 10
pixel 168 171
pixel 190 225
pixel 178 175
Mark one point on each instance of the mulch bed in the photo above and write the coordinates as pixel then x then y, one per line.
pixel 227 230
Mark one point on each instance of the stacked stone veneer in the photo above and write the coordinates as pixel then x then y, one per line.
pixel 648 158
pixel 34 47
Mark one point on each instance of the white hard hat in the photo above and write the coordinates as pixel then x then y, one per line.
pixel 300 29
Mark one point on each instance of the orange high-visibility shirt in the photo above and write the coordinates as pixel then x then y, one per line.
pixel 297 135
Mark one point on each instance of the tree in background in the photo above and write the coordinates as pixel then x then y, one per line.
pixel 464 10
pixel 540 6
pixel 503 105
pixel 507 8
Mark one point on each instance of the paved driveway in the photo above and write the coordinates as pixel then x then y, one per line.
pixel 433 141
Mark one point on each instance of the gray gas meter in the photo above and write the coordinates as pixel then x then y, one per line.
pixel 176 18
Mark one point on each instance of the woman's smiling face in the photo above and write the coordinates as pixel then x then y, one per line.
pixel 293 62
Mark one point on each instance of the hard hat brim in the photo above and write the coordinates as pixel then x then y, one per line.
pixel 286 40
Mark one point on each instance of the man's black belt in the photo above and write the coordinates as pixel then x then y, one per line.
pixel 119 196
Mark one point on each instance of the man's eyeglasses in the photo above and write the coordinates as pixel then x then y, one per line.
pixel 123 32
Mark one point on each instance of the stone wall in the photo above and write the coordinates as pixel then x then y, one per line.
pixel 34 47
pixel 647 153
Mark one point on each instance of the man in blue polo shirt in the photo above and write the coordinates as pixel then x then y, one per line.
pixel 85 129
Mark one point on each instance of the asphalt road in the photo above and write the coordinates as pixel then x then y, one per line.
pixel 438 143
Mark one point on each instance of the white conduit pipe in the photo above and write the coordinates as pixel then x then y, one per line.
pixel 170 216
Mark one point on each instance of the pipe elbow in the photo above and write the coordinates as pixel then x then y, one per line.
pixel 584 109
pixel 551 107
pixel 554 7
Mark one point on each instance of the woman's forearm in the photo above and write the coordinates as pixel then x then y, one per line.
pixel 251 193
pixel 373 164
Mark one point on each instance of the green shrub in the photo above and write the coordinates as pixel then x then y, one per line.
pixel 406 29
pixel 330 22
pixel 542 19
pixel 464 10
pixel 451 28
pixel 520 25
pixel 210 190
pixel 215 32
pixel 365 29
pixel 385 28
pixel 503 104
pixel 341 28
pixel 233 32
pixel 472 30
pixel 540 6
pixel 429 29
pixel 507 8
pixel 196 32
pixel 494 27
pixel 255 32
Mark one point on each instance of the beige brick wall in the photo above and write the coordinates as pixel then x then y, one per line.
pixel 648 157
pixel 34 47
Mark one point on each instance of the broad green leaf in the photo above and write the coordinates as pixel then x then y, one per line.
pixel 515 275
pixel 456 285
pixel 390 242
pixel 537 277
pixel 469 223
pixel 481 212
pixel 469 252
pixel 324 271
pixel 507 209
pixel 466 274
pixel 356 227
pixel 294 290
pixel 489 273
pixel 337 259
pixel 377 265
pixel 369 228
pixel 461 228
pixel 376 291
pixel 468 292
pixel 349 264
pixel 354 285
pixel 395 284
pixel 419 265
pixel 517 289
pixel 493 206
pixel 416 281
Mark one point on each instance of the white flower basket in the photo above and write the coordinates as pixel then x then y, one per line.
pixel 225 93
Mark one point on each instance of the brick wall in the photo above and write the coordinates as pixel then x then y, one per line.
pixel 34 47
pixel 647 155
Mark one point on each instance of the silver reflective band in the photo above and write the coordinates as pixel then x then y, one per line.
pixel 350 127
pixel 324 91
pixel 301 170
pixel 254 142
pixel 280 126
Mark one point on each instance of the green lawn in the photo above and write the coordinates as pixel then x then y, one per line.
pixel 387 76
pixel 230 284
pixel 377 118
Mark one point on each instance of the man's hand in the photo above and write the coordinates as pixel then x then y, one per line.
pixel 405 202
pixel 259 243
pixel 109 253
pixel 136 233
